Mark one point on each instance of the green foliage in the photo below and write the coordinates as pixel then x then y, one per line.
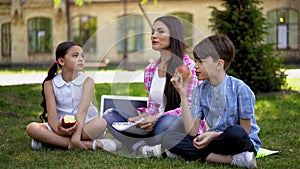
pixel 77 2
pixel 145 1
pixel 255 61
pixel 81 2
pixel 56 3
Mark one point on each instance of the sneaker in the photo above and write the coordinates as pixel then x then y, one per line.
pixel 171 155
pixel 244 159
pixel 36 145
pixel 118 143
pixel 108 144
pixel 152 151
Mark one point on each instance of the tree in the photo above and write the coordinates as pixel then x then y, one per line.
pixel 145 1
pixel 77 2
pixel 255 61
pixel 80 2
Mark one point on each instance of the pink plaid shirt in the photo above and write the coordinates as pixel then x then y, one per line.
pixel 152 107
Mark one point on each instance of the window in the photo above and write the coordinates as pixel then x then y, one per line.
pixel 83 29
pixel 284 28
pixel 134 30
pixel 40 35
pixel 187 23
pixel 6 40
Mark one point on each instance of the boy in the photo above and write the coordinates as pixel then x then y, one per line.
pixel 225 102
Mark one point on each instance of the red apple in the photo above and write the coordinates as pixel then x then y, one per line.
pixel 68 121
pixel 184 71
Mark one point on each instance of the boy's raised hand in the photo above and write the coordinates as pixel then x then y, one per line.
pixel 178 82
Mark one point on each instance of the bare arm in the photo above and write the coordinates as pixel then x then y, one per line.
pixel 245 123
pixel 191 124
pixel 51 106
pixel 87 94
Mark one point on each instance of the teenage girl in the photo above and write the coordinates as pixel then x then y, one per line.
pixel 69 92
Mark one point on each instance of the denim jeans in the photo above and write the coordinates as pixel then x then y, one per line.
pixel 164 124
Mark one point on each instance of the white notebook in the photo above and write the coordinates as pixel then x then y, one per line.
pixel 129 127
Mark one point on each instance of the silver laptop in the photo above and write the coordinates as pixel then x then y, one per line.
pixel 125 103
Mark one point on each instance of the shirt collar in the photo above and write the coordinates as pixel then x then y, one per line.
pixel 59 81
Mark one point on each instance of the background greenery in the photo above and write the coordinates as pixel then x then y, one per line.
pixel 277 114
pixel 256 62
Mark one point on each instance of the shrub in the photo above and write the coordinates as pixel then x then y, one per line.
pixel 255 61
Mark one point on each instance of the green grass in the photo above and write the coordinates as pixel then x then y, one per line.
pixel 294 83
pixel 277 114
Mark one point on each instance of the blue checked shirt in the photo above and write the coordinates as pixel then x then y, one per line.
pixel 224 106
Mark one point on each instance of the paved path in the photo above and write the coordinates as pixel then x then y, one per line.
pixel 99 77
pixel 293 73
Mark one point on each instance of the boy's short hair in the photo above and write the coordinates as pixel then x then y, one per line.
pixel 216 46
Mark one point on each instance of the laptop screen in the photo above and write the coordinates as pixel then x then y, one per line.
pixel 124 103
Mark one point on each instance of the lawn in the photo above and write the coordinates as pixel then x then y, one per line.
pixel 277 114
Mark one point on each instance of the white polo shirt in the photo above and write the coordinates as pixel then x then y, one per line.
pixel 68 96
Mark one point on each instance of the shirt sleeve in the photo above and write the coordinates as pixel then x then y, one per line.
pixel 147 78
pixel 246 101
pixel 195 106
pixel 152 107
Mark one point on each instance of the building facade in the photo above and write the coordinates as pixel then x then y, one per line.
pixel 31 29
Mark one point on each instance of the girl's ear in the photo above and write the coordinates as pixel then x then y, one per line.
pixel 61 61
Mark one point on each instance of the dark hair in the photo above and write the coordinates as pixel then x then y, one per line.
pixel 177 47
pixel 60 52
pixel 216 46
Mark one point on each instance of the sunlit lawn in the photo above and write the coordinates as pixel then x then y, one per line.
pixel 294 83
pixel 277 114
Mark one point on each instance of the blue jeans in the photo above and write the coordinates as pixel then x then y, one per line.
pixel 232 141
pixel 164 124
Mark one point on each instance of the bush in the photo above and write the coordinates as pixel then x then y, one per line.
pixel 255 61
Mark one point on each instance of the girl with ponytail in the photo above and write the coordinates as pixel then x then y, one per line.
pixel 69 92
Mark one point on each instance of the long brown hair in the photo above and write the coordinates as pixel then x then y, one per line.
pixel 177 47
pixel 60 52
